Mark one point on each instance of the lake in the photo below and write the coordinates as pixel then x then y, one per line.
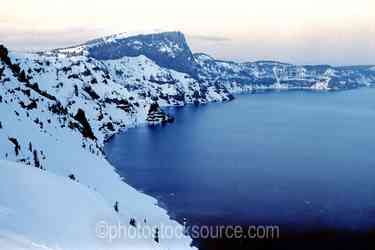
pixel 303 160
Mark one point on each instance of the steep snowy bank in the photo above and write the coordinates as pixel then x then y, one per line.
pixel 60 213
pixel 55 117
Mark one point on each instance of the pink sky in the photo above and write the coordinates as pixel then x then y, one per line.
pixel 298 31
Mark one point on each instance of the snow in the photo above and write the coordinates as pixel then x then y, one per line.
pixel 321 85
pixel 145 75
pixel 43 206
pixel 132 33
pixel 46 208
pixel 82 49
pixel 58 213
pixel 11 241
pixel 203 57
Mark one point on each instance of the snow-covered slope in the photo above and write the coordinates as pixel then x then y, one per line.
pixel 49 209
pixel 166 86
pixel 42 209
pixel 54 118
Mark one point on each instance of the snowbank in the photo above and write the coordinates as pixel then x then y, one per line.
pixel 40 205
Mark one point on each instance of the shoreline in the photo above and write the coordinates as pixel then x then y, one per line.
pixel 319 234
pixel 293 238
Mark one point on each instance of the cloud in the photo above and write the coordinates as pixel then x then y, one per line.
pixel 209 38
pixel 24 39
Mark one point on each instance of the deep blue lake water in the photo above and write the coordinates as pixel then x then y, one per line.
pixel 302 159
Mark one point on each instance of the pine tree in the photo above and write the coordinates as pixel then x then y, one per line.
pixel 116 206
pixel 75 90
pixel 133 222
pixel 156 237
pixel 17 147
pixel 22 76
pixel 36 159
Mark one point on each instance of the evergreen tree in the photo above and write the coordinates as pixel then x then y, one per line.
pixel 75 90
pixel 17 147
pixel 133 222
pixel 116 206
pixel 22 76
pixel 156 237
pixel 36 159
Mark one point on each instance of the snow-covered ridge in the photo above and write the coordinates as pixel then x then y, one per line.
pixel 127 34
pixel 82 49
pixel 170 50
pixel 203 57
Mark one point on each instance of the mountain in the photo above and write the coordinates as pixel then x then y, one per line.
pixel 169 50
pixel 278 75
pixel 58 107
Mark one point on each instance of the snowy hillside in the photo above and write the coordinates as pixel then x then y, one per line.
pixel 168 87
pixel 54 118
pixel 46 210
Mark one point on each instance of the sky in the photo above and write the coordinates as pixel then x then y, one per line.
pixel 338 32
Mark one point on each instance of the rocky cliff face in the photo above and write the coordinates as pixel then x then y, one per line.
pixel 158 67
pixel 168 49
